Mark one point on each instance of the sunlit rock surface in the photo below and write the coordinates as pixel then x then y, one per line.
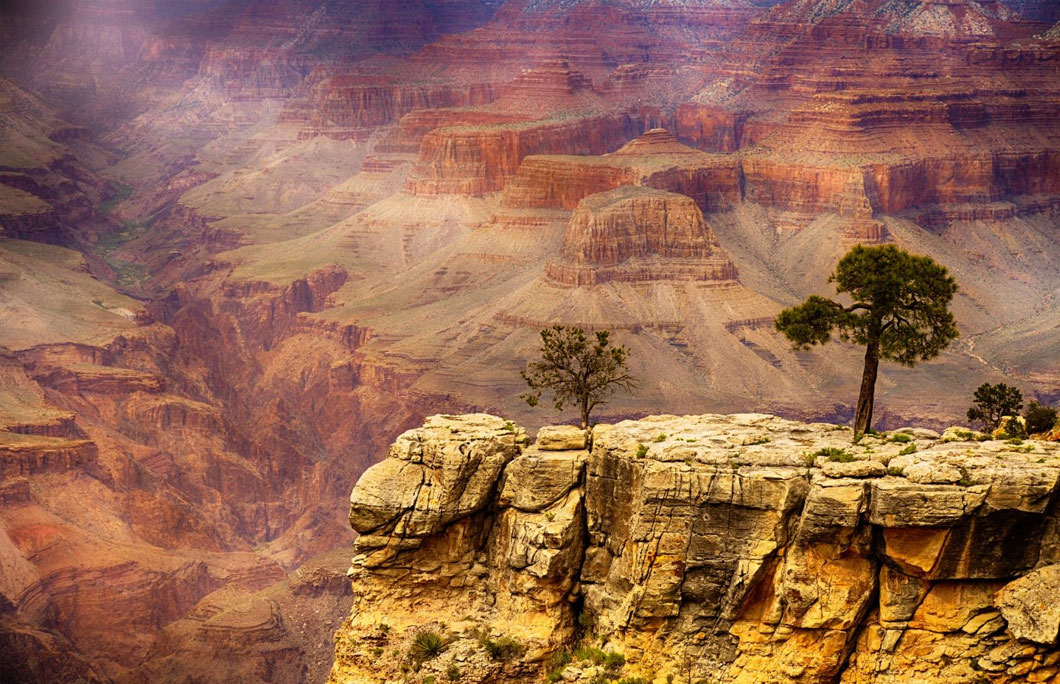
pixel 745 548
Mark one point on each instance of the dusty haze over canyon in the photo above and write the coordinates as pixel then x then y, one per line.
pixel 245 244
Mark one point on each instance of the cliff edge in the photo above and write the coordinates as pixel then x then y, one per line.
pixel 742 548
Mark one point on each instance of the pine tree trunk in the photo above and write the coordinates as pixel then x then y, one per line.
pixel 585 413
pixel 863 415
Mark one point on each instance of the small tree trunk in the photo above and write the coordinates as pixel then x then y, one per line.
pixel 585 413
pixel 863 415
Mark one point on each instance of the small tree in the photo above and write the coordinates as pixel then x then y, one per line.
pixel 1039 418
pixel 577 369
pixel 900 313
pixel 994 402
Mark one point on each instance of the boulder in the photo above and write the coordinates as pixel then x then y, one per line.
pixel 561 438
pixel 434 475
pixel 1031 607
pixel 537 479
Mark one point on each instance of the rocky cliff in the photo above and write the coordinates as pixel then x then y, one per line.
pixel 713 548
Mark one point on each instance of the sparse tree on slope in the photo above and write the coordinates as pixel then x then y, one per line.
pixel 578 369
pixel 1039 418
pixel 994 402
pixel 900 312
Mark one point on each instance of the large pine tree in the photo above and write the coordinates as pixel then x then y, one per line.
pixel 900 312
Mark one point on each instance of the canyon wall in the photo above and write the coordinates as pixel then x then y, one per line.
pixel 742 548
pixel 156 510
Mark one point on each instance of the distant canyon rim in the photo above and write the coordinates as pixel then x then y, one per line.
pixel 246 244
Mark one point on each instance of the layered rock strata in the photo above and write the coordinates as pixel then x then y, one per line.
pixel 655 159
pixel 742 548
pixel 475 160
pixel 635 234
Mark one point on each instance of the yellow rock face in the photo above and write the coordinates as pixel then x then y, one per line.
pixel 719 553
pixel 915 550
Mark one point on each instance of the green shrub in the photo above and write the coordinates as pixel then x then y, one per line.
pixel 503 648
pixel 911 449
pixel 559 659
pixel 614 661
pixel 429 679
pixel 452 673
pixel 1013 429
pixel 555 664
pixel 896 471
pixel 1039 418
pixel 426 645
pixel 660 438
pixel 993 402
pixel 588 653
pixel 634 680
pixel 966 479
pixel 835 454
pixel 901 438
pixel 376 652
pixel 642 450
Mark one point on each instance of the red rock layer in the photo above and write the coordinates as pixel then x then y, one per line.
pixel 274 44
pixel 654 160
pixel 478 160
pixel 710 127
pixel 43 455
pixel 408 135
pixel 348 106
pixel 31 654
pixel 525 32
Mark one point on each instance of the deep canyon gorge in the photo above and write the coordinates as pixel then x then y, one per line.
pixel 245 244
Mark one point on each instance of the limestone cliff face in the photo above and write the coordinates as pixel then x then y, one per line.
pixel 714 548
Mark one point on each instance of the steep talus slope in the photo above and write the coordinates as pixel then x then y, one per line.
pixel 730 548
